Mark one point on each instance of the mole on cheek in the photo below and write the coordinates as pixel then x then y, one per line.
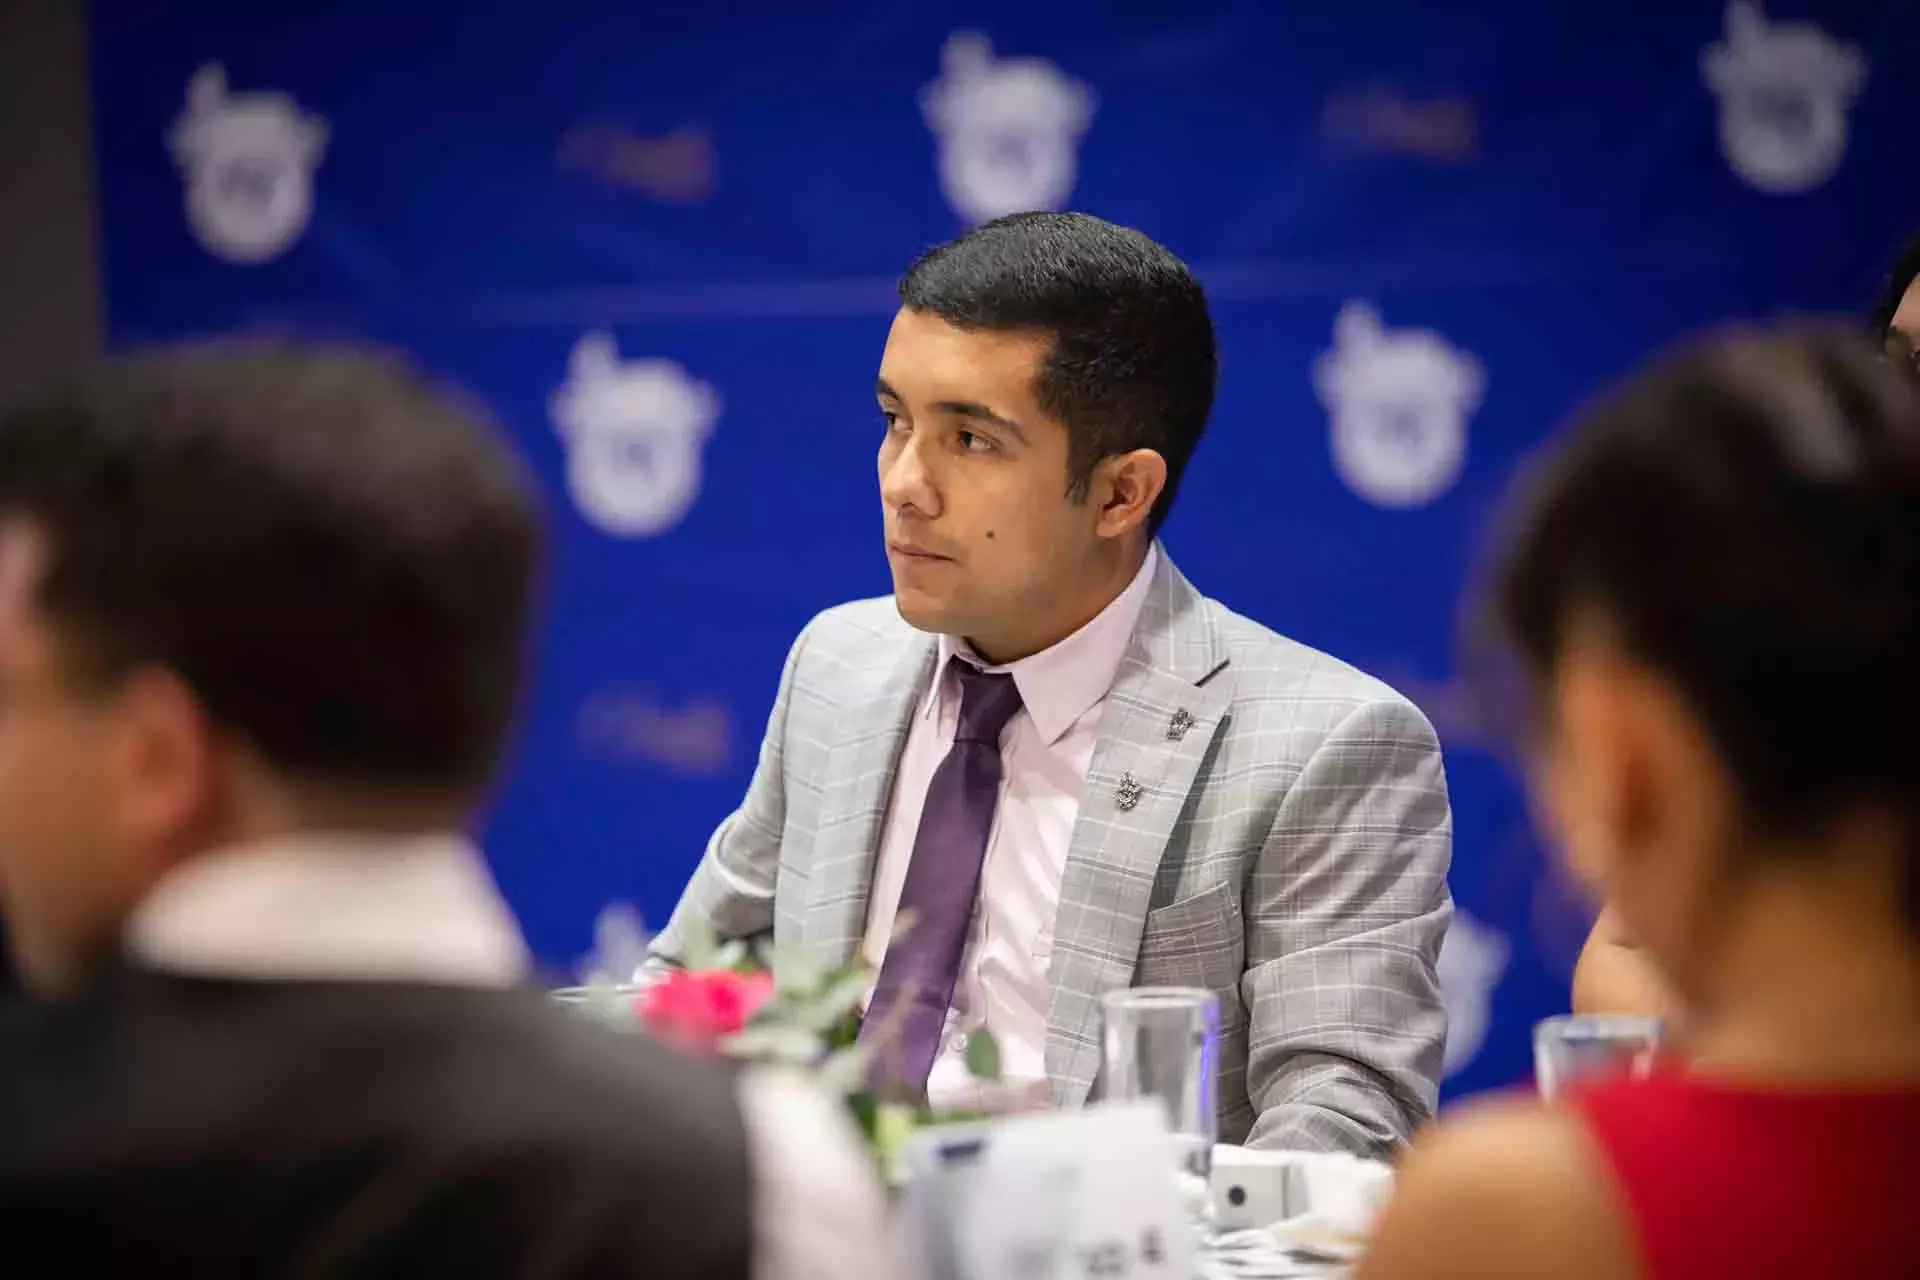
pixel 989 535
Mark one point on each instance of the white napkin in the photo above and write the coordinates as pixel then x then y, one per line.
pixel 1344 1194
pixel 1255 1255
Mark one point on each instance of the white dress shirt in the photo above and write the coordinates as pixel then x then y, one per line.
pixel 426 909
pixel 1045 751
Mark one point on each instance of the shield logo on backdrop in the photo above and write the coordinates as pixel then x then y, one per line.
pixel 1009 129
pixel 1472 961
pixel 1399 400
pixel 1784 94
pixel 248 160
pixel 634 431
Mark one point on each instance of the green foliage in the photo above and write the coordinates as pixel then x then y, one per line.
pixel 811 1021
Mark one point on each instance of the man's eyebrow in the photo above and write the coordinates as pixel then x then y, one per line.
pixel 979 412
pixel 960 409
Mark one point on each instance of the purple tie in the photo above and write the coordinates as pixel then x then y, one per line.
pixel 921 966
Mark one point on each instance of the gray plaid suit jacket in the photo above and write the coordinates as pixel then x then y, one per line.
pixel 1288 851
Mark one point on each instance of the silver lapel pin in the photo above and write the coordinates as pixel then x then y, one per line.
pixel 1178 726
pixel 1129 792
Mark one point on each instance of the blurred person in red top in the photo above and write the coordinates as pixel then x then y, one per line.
pixel 1614 974
pixel 1712 588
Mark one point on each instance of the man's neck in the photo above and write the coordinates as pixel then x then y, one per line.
pixel 266 805
pixel 1104 579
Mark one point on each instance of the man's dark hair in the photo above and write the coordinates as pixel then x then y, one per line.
pixel 336 557
pixel 1133 364
pixel 1745 516
pixel 1894 287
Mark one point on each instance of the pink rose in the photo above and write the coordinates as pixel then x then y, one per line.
pixel 698 1010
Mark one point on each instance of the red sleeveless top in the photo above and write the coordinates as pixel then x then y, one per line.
pixel 1722 1179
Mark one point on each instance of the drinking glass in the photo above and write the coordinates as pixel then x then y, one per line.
pixel 1577 1047
pixel 1164 1043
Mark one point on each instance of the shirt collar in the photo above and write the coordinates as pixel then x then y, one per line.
pixel 1063 682
pixel 379 908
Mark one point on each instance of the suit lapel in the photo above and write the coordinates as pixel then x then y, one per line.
pixel 866 738
pixel 1160 719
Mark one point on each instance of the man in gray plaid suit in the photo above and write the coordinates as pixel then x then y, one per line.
pixel 1062 766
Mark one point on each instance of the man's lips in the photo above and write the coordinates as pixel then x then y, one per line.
pixel 915 553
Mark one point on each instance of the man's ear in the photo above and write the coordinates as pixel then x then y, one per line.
pixel 166 754
pixel 1125 488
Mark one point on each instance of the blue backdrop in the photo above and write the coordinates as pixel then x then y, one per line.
pixel 660 241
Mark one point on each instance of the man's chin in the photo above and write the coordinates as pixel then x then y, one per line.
pixel 921 613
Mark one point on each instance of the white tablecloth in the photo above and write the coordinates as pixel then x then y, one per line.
pixel 1255 1255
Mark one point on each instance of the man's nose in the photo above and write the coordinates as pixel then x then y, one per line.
pixel 907 482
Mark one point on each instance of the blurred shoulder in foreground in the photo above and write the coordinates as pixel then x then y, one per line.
pixel 264 617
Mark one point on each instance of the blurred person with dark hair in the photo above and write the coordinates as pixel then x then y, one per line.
pixel 1896 315
pixel 1713 590
pixel 1073 771
pixel 263 627
pixel 1613 974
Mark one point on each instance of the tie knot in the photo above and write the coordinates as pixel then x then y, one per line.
pixel 987 701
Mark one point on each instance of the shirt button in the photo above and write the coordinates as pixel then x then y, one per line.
pixel 957 1043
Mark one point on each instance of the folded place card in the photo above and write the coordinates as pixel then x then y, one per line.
pixel 1086 1195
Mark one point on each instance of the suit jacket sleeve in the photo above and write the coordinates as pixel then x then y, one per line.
pixel 1346 909
pixel 731 892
